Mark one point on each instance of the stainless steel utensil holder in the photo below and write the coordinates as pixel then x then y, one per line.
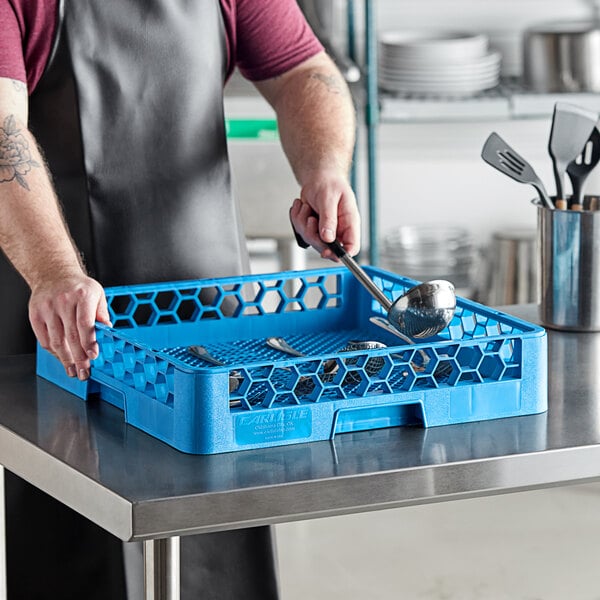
pixel 570 269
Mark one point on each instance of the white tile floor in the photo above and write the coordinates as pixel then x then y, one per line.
pixel 536 545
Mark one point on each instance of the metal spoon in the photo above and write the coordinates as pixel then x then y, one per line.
pixel 279 343
pixel 373 365
pixel 235 377
pixel 385 324
pixel 204 354
pixel 423 311
pixel 442 370
pixel 330 366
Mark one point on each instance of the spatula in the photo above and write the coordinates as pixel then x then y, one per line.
pixel 571 128
pixel 582 166
pixel 501 156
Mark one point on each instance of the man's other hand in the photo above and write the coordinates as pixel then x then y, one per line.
pixel 63 313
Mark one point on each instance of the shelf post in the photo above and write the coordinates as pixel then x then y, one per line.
pixel 3 590
pixel 351 42
pixel 371 121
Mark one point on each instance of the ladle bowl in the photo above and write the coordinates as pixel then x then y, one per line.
pixel 421 312
pixel 424 310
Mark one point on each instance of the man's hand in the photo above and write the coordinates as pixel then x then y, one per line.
pixel 317 122
pixel 64 301
pixel 63 313
pixel 325 211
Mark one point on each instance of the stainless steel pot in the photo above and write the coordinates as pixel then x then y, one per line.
pixel 511 273
pixel 562 57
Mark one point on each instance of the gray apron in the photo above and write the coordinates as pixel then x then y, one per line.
pixel 129 114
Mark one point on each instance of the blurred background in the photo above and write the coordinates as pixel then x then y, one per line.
pixel 440 210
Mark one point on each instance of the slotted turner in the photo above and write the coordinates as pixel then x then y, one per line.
pixel 497 153
pixel 582 166
pixel 571 128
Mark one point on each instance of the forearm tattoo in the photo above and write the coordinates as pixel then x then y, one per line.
pixel 15 157
pixel 332 82
pixel 19 86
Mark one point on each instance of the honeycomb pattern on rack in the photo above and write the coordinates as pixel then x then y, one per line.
pixel 151 365
pixel 360 374
pixel 393 372
pixel 135 366
pixel 189 304
pixel 474 348
pixel 467 325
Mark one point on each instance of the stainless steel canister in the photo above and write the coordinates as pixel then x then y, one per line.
pixel 570 269
pixel 512 265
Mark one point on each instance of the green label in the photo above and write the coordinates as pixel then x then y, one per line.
pixel 252 129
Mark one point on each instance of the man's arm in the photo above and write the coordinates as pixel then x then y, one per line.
pixel 64 301
pixel 317 125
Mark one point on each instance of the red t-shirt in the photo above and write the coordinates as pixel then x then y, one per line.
pixel 264 37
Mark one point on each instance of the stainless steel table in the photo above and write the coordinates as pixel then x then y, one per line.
pixel 141 489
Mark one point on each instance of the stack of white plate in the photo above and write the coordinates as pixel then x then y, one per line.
pixel 445 63
pixel 434 251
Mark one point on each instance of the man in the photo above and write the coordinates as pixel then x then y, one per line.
pixel 124 97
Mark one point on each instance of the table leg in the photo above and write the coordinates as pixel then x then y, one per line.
pixel 3 592
pixel 161 569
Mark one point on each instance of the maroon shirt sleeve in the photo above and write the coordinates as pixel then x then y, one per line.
pixel 26 35
pixel 265 37
pixel 269 37
pixel 12 61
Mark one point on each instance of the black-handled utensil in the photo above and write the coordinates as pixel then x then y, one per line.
pixel 571 129
pixel 579 168
pixel 497 153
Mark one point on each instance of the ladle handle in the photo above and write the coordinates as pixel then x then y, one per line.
pixel 360 274
pixel 353 266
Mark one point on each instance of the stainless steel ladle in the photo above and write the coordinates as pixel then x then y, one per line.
pixel 421 312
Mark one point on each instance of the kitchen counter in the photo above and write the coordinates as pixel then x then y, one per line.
pixel 138 488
